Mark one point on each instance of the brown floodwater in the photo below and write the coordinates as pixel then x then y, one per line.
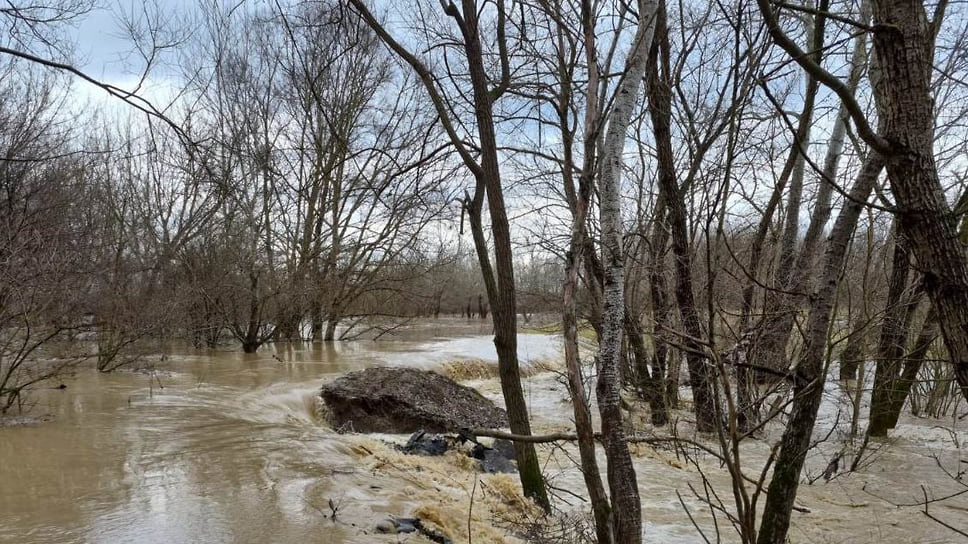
pixel 230 450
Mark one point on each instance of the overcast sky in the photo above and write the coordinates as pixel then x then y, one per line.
pixel 100 47
pixel 105 52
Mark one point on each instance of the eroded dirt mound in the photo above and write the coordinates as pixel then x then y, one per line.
pixel 405 400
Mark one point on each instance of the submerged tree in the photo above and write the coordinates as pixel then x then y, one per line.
pixel 46 237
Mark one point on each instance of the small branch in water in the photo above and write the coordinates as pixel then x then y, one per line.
pixel 470 510
pixel 692 519
pixel 571 437
pixel 334 508
pixel 936 520
pixel 472 434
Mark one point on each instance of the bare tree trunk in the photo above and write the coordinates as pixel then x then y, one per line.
pixel 627 524
pixel 855 352
pixel 661 314
pixel 650 381
pixel 487 174
pixel 890 348
pixel 576 387
pixel 316 321
pixel 660 99
pixel 578 201
pixel 904 45
pixel 502 295
pixel 912 366
pixel 808 375
pixel 794 268
pixel 905 50
pixel 331 323
pixel 754 337
pixel 779 309
pixel 831 164
pixel 251 340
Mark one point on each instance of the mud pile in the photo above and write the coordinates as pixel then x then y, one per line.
pixel 405 400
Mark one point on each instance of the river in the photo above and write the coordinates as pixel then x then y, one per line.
pixel 221 446
pixel 227 451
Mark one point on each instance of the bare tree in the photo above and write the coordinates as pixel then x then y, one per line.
pixel 43 276
pixel 499 278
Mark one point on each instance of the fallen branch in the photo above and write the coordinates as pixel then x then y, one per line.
pixel 571 437
pixel 472 434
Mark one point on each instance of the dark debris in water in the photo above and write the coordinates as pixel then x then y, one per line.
pixel 493 459
pixel 411 525
pixel 421 443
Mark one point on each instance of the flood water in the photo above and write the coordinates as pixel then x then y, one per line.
pixel 227 451
pixel 221 446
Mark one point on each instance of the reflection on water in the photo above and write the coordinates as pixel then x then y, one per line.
pixel 227 451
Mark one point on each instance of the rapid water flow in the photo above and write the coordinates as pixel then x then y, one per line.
pixel 227 451
pixel 224 447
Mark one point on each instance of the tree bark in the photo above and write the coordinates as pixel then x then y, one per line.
pixel 627 516
pixel 578 201
pixel 904 45
pixel 576 386
pixel 501 295
pixel 912 366
pixel 890 347
pixel 808 375
pixel 330 335
pixel 487 175
pixel 779 308
pixel 650 381
pixel 855 352
pixel 661 313
pixel 660 99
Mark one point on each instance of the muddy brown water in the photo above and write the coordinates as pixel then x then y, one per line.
pixel 228 451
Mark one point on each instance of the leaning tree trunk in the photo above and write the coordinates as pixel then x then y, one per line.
pixel 913 361
pixel 746 376
pixel 781 306
pixel 773 329
pixel 498 281
pixel 501 294
pixel 576 386
pixel 904 46
pixel 808 377
pixel 578 201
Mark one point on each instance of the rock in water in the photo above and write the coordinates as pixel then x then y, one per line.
pixel 421 443
pixel 493 460
pixel 395 526
pixel 505 447
pixel 405 400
